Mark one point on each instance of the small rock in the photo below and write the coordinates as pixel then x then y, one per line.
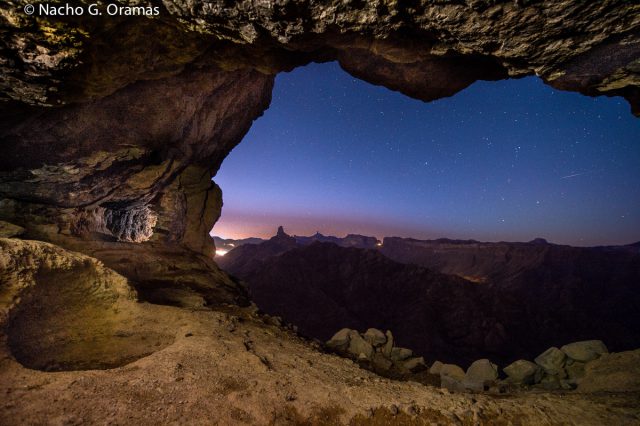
pixel 388 347
pixel 275 320
pixel 575 370
pixel 375 337
pixel 381 363
pixel 550 382
pixel 400 354
pixel 9 230
pixel 523 372
pixel 414 364
pixel 585 351
pixel 451 377
pixel 357 345
pixel 552 361
pixel 394 410
pixel 436 367
pixel 453 384
pixel 340 340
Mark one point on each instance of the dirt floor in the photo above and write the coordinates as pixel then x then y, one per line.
pixel 156 365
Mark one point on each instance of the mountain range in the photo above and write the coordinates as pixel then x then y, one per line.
pixel 451 300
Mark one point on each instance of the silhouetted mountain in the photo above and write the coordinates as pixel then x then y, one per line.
pixel 244 259
pixel 508 264
pixel 351 240
pixel 323 287
pixel 524 297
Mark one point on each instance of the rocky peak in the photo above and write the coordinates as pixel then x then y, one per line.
pixel 539 241
pixel 281 233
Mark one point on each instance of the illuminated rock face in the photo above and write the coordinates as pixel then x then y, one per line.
pixel 61 310
pixel 136 115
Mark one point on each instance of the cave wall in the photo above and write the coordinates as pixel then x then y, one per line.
pixel 112 128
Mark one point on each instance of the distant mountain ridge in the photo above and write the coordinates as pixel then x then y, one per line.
pixel 351 240
pixel 450 299
pixel 511 263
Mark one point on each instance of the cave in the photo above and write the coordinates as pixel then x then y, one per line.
pixel 178 103
pixel 111 131
pixel 82 326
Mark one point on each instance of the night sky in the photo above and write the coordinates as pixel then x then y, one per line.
pixel 510 160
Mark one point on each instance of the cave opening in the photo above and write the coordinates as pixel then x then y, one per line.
pixel 511 160
pixel 513 180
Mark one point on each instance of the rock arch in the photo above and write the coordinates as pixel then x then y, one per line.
pixel 108 118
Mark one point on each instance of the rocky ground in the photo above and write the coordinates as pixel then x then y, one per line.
pixel 225 366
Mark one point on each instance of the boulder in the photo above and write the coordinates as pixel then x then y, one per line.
pixel 386 350
pixel 358 346
pixel 585 351
pixel 9 230
pixel 375 337
pixel 575 369
pixel 480 373
pixel 482 369
pixel 452 377
pixel 523 372
pixel 414 364
pixel 435 368
pixel 617 372
pixel 452 370
pixel 552 362
pixel 550 382
pixel 400 354
pixel 380 363
pixel 340 340
pixel 452 383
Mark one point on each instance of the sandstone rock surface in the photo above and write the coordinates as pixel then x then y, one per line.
pixel 161 364
pixel 262 374
pixel 64 311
